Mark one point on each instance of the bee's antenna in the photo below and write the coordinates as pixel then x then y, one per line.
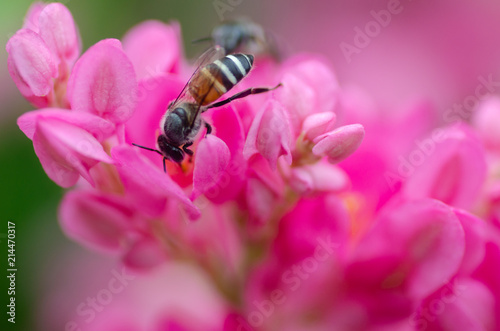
pixel 157 151
pixel 149 149
pixel 196 41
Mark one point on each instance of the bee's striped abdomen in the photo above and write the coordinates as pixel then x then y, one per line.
pixel 216 78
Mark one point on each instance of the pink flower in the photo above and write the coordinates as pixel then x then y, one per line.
pixel 42 54
pixel 308 207
pixel 68 144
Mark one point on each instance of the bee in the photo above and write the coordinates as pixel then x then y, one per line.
pixel 243 35
pixel 215 75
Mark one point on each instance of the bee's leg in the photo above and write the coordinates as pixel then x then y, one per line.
pixel 242 94
pixel 164 165
pixel 186 150
pixel 209 129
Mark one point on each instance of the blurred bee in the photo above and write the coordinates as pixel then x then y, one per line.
pixel 243 35
pixel 215 75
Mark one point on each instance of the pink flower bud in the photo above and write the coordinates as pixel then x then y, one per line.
pixel 57 28
pixel 318 124
pixel 318 177
pixel 340 143
pixel 269 135
pixel 32 66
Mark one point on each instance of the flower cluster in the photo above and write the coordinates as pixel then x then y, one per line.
pixel 289 239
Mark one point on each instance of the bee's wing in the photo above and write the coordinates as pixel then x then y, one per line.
pixel 209 56
pixel 212 54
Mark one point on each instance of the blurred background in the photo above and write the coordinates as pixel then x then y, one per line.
pixel 432 50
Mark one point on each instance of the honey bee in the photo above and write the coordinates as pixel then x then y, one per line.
pixel 243 35
pixel 215 75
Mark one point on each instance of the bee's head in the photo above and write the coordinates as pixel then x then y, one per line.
pixel 170 151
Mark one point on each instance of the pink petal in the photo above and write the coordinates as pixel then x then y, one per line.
pixel 103 82
pixel 258 167
pixel 269 135
pixel 229 128
pixel 318 124
pixel 319 177
pixel 31 18
pixel 475 241
pixel 261 200
pixel 148 185
pixel 451 168
pixel 163 45
pixel 67 143
pixel 215 234
pixel 58 30
pixel 317 72
pixel 98 127
pixel 211 160
pixel 462 304
pixel 309 86
pixel 144 254
pixel 97 221
pixel 417 245
pixel 319 223
pixel 340 143
pixel 297 98
pixel 31 65
pixel 66 151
